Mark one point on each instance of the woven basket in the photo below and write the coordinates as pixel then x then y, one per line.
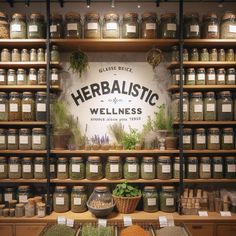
pixel 126 204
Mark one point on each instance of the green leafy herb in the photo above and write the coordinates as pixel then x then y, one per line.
pixel 131 139
pixel 89 230
pixel 60 230
pixel 126 190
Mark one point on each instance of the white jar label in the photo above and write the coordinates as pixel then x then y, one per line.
pixel 201 139
pixel 218 167
pixel 177 77
pixel 2 169
pixel 198 108
pixel 32 77
pixel 76 168
pixel 77 201
pixel 36 139
pixel 150 26
pixel 191 77
pixel 10 78
pixel 201 77
pixel 16 27
pixel 20 77
pixel 52 168
pixel 177 166
pixel 41 213
pixel 226 108
pixel 132 168
pixel 151 201
pixel 221 77
pixel 111 26
pixel 53 28
pixel 26 168
pixel 231 77
pixel 210 107
pixel 169 201
pixel 192 168
pixel 131 29
pixel 33 28
pixel 13 107
pixel 212 28
pixel 92 26
pixel 215 139
pixel 211 77
pixel 206 168
pixel 61 168
pixel 171 27
pixel 13 168
pixel 26 108
pixel 232 28
pixel 228 139
pixel 2 108
pixel 148 168
pixel 2 78
pixel 93 168
pixel 23 199
pixel 2 139
pixel 7 197
pixel 185 108
pixel 114 168
pixel 165 168
pixel 54 77
pixel 186 139
pixel 60 200
pixel 72 26
pixel 24 139
pixel 38 168
pixel 11 139
pixel 41 107
pixel 194 28
pixel 231 168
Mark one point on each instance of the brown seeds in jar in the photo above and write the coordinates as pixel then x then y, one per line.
pixel 14 106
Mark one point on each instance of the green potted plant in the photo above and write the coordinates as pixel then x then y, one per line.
pixel 131 140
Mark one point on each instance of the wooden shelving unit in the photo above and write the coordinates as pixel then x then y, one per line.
pixel 213 152
pixel 203 87
pixel 27 65
pixel 4 88
pixel 223 43
pixel 22 43
pixel 18 181
pixel 23 152
pixel 211 123
pixel 22 123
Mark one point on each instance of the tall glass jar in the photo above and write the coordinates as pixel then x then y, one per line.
pixel 227 138
pixel 150 199
pixel 94 168
pixel 78 199
pixel 55 56
pixel 76 168
pixel 220 76
pixel 200 139
pixel 27 168
pixel 230 55
pixel 221 55
pixel 113 168
pixel 15 55
pixel 213 139
pixel 149 25
pixel 61 201
pixel 187 139
pixel 3 76
pixel 38 139
pixel 40 55
pixel 18 26
pixel 196 107
pixel 210 76
pixel 192 27
pixel 192 168
pixel 14 168
pixel 210 106
pixel 176 168
pixel 21 77
pixel 12 139
pixel 62 168
pixel 24 56
pixel 168 199
pixel 56 26
pixel 32 78
pixel 14 106
pixel 53 168
pixel 33 54
pixel 9 194
pixel 211 26
pixel 185 55
pixel 217 168
pixel 3 106
pixel 164 168
pixel 72 25
pixel 131 168
pixel 130 26
pixel 148 169
pixel 35 26
pixel 39 168
pixel 111 26
pixel 230 167
pixel 168 26
pixel 228 26
pixel 190 76
pixel 11 77
pixel 230 76
pixel 225 106
pixel 3 139
pixel 176 77
pixel 92 26
pixel 3 168
pixel 175 54
pixel 200 76
pixel 42 79
pixel 25 139
pixel 28 107
pixel 4 26
pixel 205 168
pixel 55 76
pixel 213 54
pixel 41 113
pixel 5 55
pixel 23 194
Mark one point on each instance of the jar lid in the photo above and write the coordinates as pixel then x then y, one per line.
pixel 62 159
pixel 205 158
pixel 19 16
pixel 24 50
pixel 92 15
pixel 201 69
pixel 177 158
pixel 38 130
pixel 200 130
pixel 213 129
pixel 150 188
pixel 11 70
pixel 190 69
pixel 217 158
pixel 130 15
pixel 131 158
pixel 60 187
pixel 221 70
pixel 212 94
pixel 72 15
pixel 3 94
pixel 78 188
pixel 32 50
pixel 147 15
pixel 14 158
pixel 197 94
pixel 41 204
pixel 76 159
pixel 31 201
pixel 36 16
pixel 26 158
pixel 191 15
pixel 192 158
pixel 56 16
pixel 20 205
pixel 2 158
pixel 27 94
pixel 114 158
pixel 187 130
pixel 228 129
pixel 168 188
pixel 39 159
pixel 38 199
pixel 148 159
pixel 211 69
pixel 111 16
pixel 24 187
pixel 15 50
pixel 20 70
pixel 231 69
pixel 101 189
pixel 14 94
pixel 41 94
pixel 12 131
pixel 228 15
pixel 23 130
pixel 225 93
pixel 2 130
pixel 94 158
pixel 164 158
pixel 210 15
pixel 168 15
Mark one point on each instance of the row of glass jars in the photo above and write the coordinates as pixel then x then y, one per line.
pixel 23 139
pixel 209 107
pixel 25 55
pixel 31 77
pixel 202 76
pixel 204 54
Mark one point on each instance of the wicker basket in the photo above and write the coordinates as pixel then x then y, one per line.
pixel 126 204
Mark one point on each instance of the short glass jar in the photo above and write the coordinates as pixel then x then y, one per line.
pixel 41 114
pixel 25 139
pixel 230 56
pixel 187 139
pixel 149 25
pixel 35 26
pixel 40 55
pixel 148 169
pixel 113 168
pixel 94 169
pixel 53 167
pixel 27 168
pixel 204 55
pixel 78 199
pixel 55 56
pixel 56 26
pixel 210 76
pixel 18 26
pixel 12 139
pixel 230 167
pixel 33 55
pixel 200 139
pixel 3 168
pixel 19 210
pixel 4 26
pixel 210 106
pixel 42 79
pixel 227 138
pixel 194 56
pixel 168 26
pixel 220 76
pixel 61 199
pixel 213 56
pixel 92 26
pixel 3 76
pixel 150 199
pixel 230 76
pixel 221 55
pixel 205 168
pixel 39 168
pixel 11 77
pixel 5 55
pixel 168 199
pixel 15 55
pixel 38 139
pixel 14 106
pixel 3 139
pixel 164 168
pixel 192 168
pixel 55 76
pixel 76 168
pixel 28 107
pixel 225 106
pixel 200 76
pixel 131 168
pixel 228 26
pixel 211 26
pixel 4 106
pixel 24 56
pixel 21 77
pixel 14 168
pixel 217 167
pixel 185 55
pixel 213 139
pixel 62 168
pixel 72 25
pixel 175 54
pixel 190 76
pixel 111 26
pixel 130 26
pixel 196 106
pixel 192 27
pixel 176 77
pixel 23 194
pixel 176 168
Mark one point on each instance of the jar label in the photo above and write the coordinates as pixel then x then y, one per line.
pixel 2 168
pixel 2 78
pixel 13 168
pixel 61 168
pixel 232 28
pixel 60 200
pixel 75 168
pixel 53 28
pixel 194 28
pixel 150 26
pixel 8 197
pixel 231 168
pixel 177 166
pixel 211 76
pixel 2 139
pixel 198 108
pixel 41 212
pixel 131 28
pixel 11 139
pixel 221 77
pixel 72 26
pixel 169 201
pixel 210 107
pixel 200 76
pixel 26 108
pixel 185 108
pixel 206 168
pixel 32 77
pixel 231 77
pixel 23 199
pixel 148 168
pixel 10 78
pixel 226 108
pixel 201 139
pixel 41 107
pixel 26 168
pixel 132 168
pixel 228 139
pixel 114 168
pixel 54 77
pixel 36 139
pixel 192 168
pixel 33 28
pixel 152 201
pixel 52 168
pixel 215 139
pixel 24 139
pixel 218 168
pixel 191 77
pixel 13 107
pixel 92 26
pixel 212 28
pixel 93 168
pixel 171 27
pixel 20 77
pixel 165 168
pixel 111 26
pixel 77 201
pixel 38 168
pixel 186 139
pixel 177 77
pixel 16 27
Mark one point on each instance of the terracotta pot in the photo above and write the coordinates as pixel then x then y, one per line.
pixel 61 140
pixel 171 143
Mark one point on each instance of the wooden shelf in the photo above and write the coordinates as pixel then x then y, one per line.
pixel 37 181
pixel 25 152
pixel 211 123
pixel 225 43
pixel 203 87
pixel 115 45
pixel 213 152
pixel 209 180
pixel 22 123
pixel 27 65
pixel 22 43
pixel 4 88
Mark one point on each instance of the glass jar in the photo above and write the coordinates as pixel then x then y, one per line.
pixel 228 26
pixel 230 55
pixel 55 56
pixel 149 25
pixel 210 106
pixel 192 27
pixel 11 77
pixel 33 54
pixel 3 106
pixel 12 139
pixel 55 77
pixel 42 79
pixel 62 168
pixel 148 169
pixel 192 168
pixel 131 168
pixel 168 199
pixel 4 26
pixel 130 26
pixel 60 199
pixel 204 55
pixel 3 76
pixel 220 76
pixel 175 54
pixel 176 77
pixel 225 106
pixel 150 199
pixel 9 194
pixel 168 26
pixel 205 168
pixel 176 168
pixel 35 26
pixel 221 55
pixel 23 194
pixel 210 76
pixel 39 168
pixel 78 199
pixel 3 139
pixel 227 138
pixel 41 56
pixel 164 168
pixel 217 168
pixel 94 168
pixel 19 210
pixel 213 139
pixel 230 167
pixel 24 56
pixel 230 76
pixel 28 107
pixel 72 25
pixel 213 54
pixel 18 26
pixel 5 55
pixel 41 209
pixel 38 139
pixel 200 76
pixel 77 168
pixel 56 26
pixel 200 139
pixel 3 168
pixel 15 55
pixel 14 107
pixel 196 107
pixel 14 165
pixel 33 78
pixel 211 26
pixel 25 139
pixel 21 77
pixel 111 27
pixel 27 168
pixel 190 76
pixel 187 139
pixel 30 208
pixel 113 168
pixel 41 113
pixel 92 26
pixel 185 55
pixel 194 56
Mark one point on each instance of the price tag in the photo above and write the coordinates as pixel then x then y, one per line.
pixel 198 108
pixel 26 168
pixel 221 77
pixel 41 107
pixel 102 222
pixel 69 222
pixel 26 108
pixel 228 139
pixel 163 221
pixel 13 107
pixel 194 28
pixel 52 168
pixel 54 77
pixel 7 197
pixel 23 199
pixel 214 139
pixel 210 107
pixel 166 168
pixel 38 168
pixel 225 213
pixel 226 108
pixel 177 166
pixel 127 220
pixel 212 28
pixel 201 139
pixel 11 139
pixel 24 139
pixel 16 27
pixel 206 168
pixel 218 167
pixel 32 77
pixel 61 168
pixel 192 168
pixel 201 77
pixel 231 168
pixel 13 168
pixel 169 201
pixel 36 139
pixel 151 201
pixel 185 108
pixel 202 213
pixel 186 139
pixel 191 77
pixel 232 29
pixel 60 200
pixel 211 77
pixel 61 220
pixel 231 77
pixel 2 78
pixel 20 77
pixel 2 139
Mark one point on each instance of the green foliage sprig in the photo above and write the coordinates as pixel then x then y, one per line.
pixel 117 130
pixel 126 190
pixel 131 139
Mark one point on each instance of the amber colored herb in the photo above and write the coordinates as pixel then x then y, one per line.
pixel 134 230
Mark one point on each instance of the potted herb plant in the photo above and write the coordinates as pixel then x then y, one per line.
pixel 131 140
